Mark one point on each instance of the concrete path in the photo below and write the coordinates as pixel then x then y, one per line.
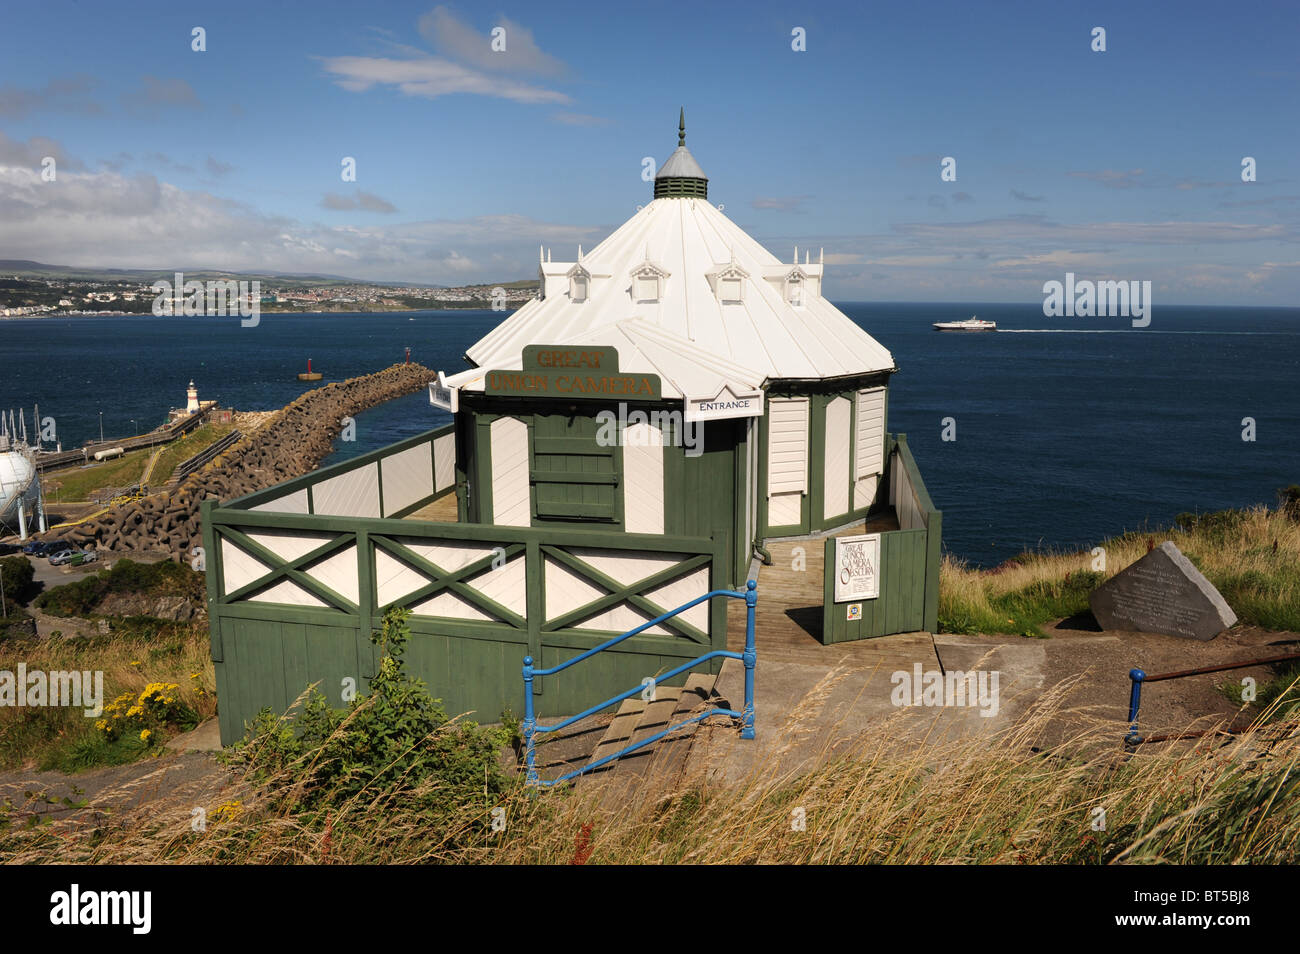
pixel 814 709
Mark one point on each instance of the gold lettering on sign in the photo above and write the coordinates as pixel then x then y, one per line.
pixel 502 381
pixel 557 358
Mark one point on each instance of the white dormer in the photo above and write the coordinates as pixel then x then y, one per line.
pixel 648 282
pixel 797 284
pixel 795 287
pixel 579 283
pixel 728 283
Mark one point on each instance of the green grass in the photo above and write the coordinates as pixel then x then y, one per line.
pixel 1251 556
pixel 184 448
pixel 1025 610
pixel 83 483
pixel 136 653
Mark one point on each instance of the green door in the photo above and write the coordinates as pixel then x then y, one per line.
pixel 573 477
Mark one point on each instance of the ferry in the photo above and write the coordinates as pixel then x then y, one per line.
pixel 972 323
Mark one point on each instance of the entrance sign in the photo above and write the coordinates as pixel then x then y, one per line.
pixel 725 404
pixel 568 372
pixel 857 568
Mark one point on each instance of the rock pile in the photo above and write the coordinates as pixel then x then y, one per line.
pixel 291 444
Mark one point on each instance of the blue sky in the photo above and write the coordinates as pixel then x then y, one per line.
pixel 1123 164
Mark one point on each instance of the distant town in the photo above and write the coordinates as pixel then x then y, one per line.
pixel 41 292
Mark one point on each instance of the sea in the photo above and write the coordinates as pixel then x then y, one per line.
pixel 1048 434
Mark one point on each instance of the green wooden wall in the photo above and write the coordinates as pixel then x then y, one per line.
pixel 700 492
pixel 900 607
pixel 908 598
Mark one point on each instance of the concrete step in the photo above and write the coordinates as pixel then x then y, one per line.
pixel 658 715
pixel 618 733
pixel 667 758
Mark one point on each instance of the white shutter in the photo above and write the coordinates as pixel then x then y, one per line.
pixel 787 445
pixel 510 500
pixel 869 441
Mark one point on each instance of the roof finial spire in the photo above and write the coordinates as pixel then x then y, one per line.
pixel 681 128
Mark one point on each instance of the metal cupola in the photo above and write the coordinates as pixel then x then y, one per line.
pixel 681 175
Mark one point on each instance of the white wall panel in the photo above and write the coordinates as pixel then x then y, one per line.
pixel 408 477
pixel 835 459
pixel 643 479
pixel 354 494
pixel 869 437
pixel 510 498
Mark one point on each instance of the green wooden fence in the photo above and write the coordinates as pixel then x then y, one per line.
pixel 294 597
pixel 390 482
pixel 908 598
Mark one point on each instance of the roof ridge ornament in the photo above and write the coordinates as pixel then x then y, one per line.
pixel 681 127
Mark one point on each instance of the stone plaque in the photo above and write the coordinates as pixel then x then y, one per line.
pixel 1162 593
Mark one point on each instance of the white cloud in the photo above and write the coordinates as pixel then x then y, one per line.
pixel 430 77
pixel 365 201
pixel 108 219
pixel 458 40
pixel 58 95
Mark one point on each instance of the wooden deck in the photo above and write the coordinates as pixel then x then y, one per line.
pixel 789 618
pixel 442 510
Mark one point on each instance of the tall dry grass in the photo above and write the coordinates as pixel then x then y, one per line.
pixel 999 798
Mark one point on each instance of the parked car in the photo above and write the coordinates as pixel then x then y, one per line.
pixel 37 548
pixel 71 556
pixel 6 549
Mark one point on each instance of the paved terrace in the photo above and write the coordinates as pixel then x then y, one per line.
pixel 812 700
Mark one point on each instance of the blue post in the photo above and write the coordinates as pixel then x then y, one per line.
pixel 530 723
pixel 751 657
pixel 1134 701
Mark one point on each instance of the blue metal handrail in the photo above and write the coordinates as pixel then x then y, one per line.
pixel 749 657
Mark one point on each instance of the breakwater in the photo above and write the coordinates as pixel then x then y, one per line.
pixel 292 443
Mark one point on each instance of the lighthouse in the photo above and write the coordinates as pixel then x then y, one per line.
pixel 192 399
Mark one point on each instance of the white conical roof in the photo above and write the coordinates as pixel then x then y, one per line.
pixel 692 241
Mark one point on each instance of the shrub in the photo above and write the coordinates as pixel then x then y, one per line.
pixel 155 579
pixel 393 746
pixel 1289 501
pixel 158 707
pixel 17 575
